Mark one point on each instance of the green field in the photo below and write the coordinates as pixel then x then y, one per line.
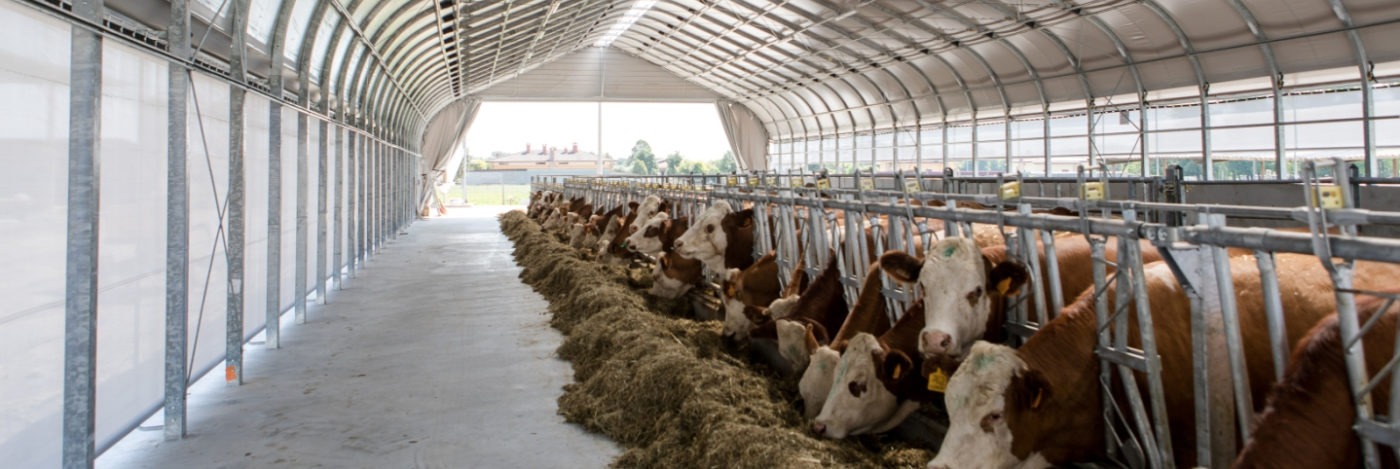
pixel 491 194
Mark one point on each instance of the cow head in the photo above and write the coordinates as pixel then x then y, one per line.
pixel 985 397
pixel 798 339
pixel 959 286
pixel 706 239
pixel 648 239
pixel 816 380
pixel 858 401
pixel 649 207
pixel 736 321
pixel 674 276
pixel 610 227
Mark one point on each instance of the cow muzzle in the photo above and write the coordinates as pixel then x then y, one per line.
pixel 935 343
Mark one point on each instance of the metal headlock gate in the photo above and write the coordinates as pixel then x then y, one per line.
pixel 797 215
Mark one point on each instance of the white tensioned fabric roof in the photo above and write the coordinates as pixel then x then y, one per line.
pixel 803 67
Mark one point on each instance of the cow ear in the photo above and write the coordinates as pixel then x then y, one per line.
pixel 840 347
pixel 895 366
pixel 746 218
pixel 664 206
pixel 665 261
pixel 816 335
pixel 1034 391
pixel 902 266
pixel 1007 277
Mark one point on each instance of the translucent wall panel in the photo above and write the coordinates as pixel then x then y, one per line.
pixel 255 142
pixel 33 229
pixel 208 270
pixel 131 278
pixel 289 207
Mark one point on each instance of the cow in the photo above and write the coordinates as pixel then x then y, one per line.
pixel 674 275
pixel 745 292
pixel 612 247
pixel 650 206
pixel 1039 405
pixel 658 234
pixel 867 391
pixel 1309 416
pixel 818 358
pixel 965 289
pixel 720 237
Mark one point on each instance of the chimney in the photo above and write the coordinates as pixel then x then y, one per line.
pixel 575 150
pixel 527 149
pixel 544 149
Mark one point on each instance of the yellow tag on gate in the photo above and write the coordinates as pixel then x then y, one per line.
pixel 731 181
pixel 937 381
pixel 823 184
pixel 771 181
pixel 1092 191
pixel 753 181
pixel 1011 190
pixel 1327 197
pixel 795 181
pixel 867 184
pixel 911 186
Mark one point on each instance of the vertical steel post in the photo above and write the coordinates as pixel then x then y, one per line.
pixel 322 171
pixel 177 221
pixel 299 290
pixel 274 221
pixel 1273 310
pixel 234 229
pixel 349 199
pixel 338 244
pixel 80 308
pixel 1244 408
pixel 362 238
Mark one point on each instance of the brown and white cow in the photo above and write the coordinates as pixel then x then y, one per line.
pixel 1038 406
pixel 746 293
pixel 658 234
pixel 1309 417
pixel 965 289
pixel 675 275
pixel 868 391
pixel 819 358
pixel 720 237
pixel 650 206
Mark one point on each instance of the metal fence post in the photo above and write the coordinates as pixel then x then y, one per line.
pixel 80 308
pixel 177 221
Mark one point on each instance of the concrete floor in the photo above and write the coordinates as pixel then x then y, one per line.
pixel 435 355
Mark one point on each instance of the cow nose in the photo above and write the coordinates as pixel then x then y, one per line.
pixel 819 428
pixel 936 342
pixel 631 229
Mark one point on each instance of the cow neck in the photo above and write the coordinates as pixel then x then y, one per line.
pixel 868 314
pixel 823 299
pixel 738 251
pixel 1063 352
pixel 1308 419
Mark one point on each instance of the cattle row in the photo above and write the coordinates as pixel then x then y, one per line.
pixel 1043 396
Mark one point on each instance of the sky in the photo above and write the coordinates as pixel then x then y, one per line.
pixel 693 129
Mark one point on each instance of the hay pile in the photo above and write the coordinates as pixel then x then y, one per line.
pixel 665 387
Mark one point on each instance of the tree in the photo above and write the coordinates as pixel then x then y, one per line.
pixel 674 162
pixel 642 160
pixel 727 164
pixel 478 165
pixel 697 167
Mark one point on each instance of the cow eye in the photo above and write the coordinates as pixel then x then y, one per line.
pixel 974 295
pixel 709 228
pixel 857 388
pixel 989 420
pixel 651 231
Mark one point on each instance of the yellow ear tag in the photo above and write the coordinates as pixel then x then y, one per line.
pixel 937 381
pixel 1004 285
pixel 895 375
pixel 1038 394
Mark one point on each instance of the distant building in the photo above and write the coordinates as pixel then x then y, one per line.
pixel 548 157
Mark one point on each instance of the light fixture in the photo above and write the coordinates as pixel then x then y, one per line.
pixel 623 24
